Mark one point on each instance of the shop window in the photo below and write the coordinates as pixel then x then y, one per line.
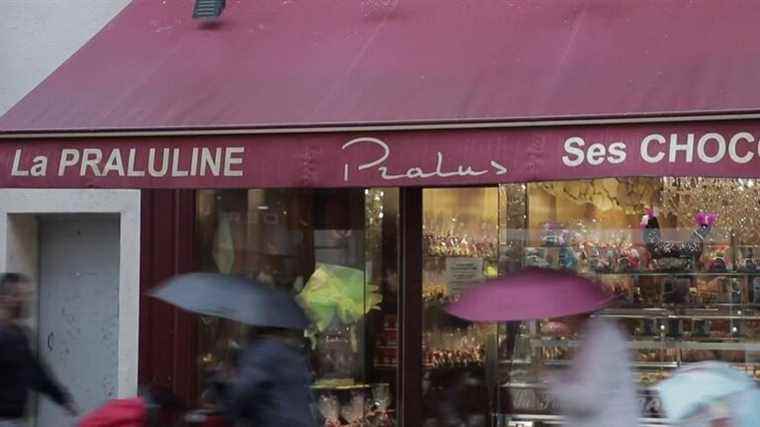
pixel 336 252
pixel 460 248
pixel 680 302
pixel 698 303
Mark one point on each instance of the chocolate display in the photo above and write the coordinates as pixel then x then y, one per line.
pixel 748 263
pixel 684 299
pixel 455 245
pixel 691 248
pixel 755 290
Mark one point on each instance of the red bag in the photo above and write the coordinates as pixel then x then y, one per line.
pixel 118 413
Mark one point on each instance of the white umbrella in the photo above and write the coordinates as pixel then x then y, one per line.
pixel 703 391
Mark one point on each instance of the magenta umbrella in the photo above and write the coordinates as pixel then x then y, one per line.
pixel 532 294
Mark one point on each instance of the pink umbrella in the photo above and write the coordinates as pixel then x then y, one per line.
pixel 532 294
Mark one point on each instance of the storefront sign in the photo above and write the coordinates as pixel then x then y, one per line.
pixel 462 272
pixel 389 159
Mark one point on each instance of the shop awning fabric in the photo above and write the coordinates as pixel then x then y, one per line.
pixel 327 93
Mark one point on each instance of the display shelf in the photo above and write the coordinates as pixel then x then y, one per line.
pixel 685 311
pixel 739 312
pixel 386 347
pixel 429 367
pixel 385 366
pixel 350 387
pixel 670 274
pixel 666 274
pixel 492 257
pixel 556 420
pixel 545 386
pixel 713 306
pixel 683 316
pixel 659 344
pixel 563 363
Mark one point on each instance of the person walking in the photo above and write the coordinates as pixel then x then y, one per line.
pixel 272 387
pixel 20 371
pixel 598 390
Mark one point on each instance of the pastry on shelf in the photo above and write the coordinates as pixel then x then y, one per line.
pixel 676 290
pixel 701 328
pixel 555 329
pixel 716 260
pixel 568 260
pixel 650 295
pixel 752 328
pixel 754 290
pixel 748 264
pixel 629 260
pixel 648 355
pixel 732 356
pixel 721 328
pixel 649 379
pixel 448 245
pixel 710 291
pixel 570 237
pixel 536 257
pixel 551 235
pixel 693 356
pixel 435 292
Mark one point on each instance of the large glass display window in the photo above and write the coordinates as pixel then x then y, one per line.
pixel 686 291
pixel 685 294
pixel 336 252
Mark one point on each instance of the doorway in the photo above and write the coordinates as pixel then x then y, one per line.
pixel 460 248
pixel 78 336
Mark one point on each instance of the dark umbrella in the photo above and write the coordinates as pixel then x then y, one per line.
pixel 232 297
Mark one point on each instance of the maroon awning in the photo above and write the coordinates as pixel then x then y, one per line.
pixel 248 98
pixel 387 159
pixel 270 63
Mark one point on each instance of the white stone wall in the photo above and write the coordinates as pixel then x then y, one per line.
pixel 19 210
pixel 37 36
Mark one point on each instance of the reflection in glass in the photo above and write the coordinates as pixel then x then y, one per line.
pixel 335 252
pixel 678 307
pixel 460 229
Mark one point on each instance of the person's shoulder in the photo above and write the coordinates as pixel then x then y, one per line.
pixel 266 347
pixel 13 338
pixel 13 333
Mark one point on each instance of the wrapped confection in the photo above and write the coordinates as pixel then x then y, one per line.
pixel 710 291
pixel 551 235
pixel 691 248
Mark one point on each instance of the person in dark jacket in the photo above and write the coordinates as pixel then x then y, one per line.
pixel 272 388
pixel 20 370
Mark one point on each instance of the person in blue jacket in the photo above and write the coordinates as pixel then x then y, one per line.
pixel 272 385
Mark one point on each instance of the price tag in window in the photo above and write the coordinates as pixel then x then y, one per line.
pixel 463 272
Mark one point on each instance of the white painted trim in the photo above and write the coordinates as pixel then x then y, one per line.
pixel 378 127
pixel 126 203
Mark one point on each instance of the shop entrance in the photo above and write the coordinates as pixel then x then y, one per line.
pixel 78 309
pixel 460 247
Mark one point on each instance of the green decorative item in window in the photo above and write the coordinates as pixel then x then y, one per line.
pixel 339 293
